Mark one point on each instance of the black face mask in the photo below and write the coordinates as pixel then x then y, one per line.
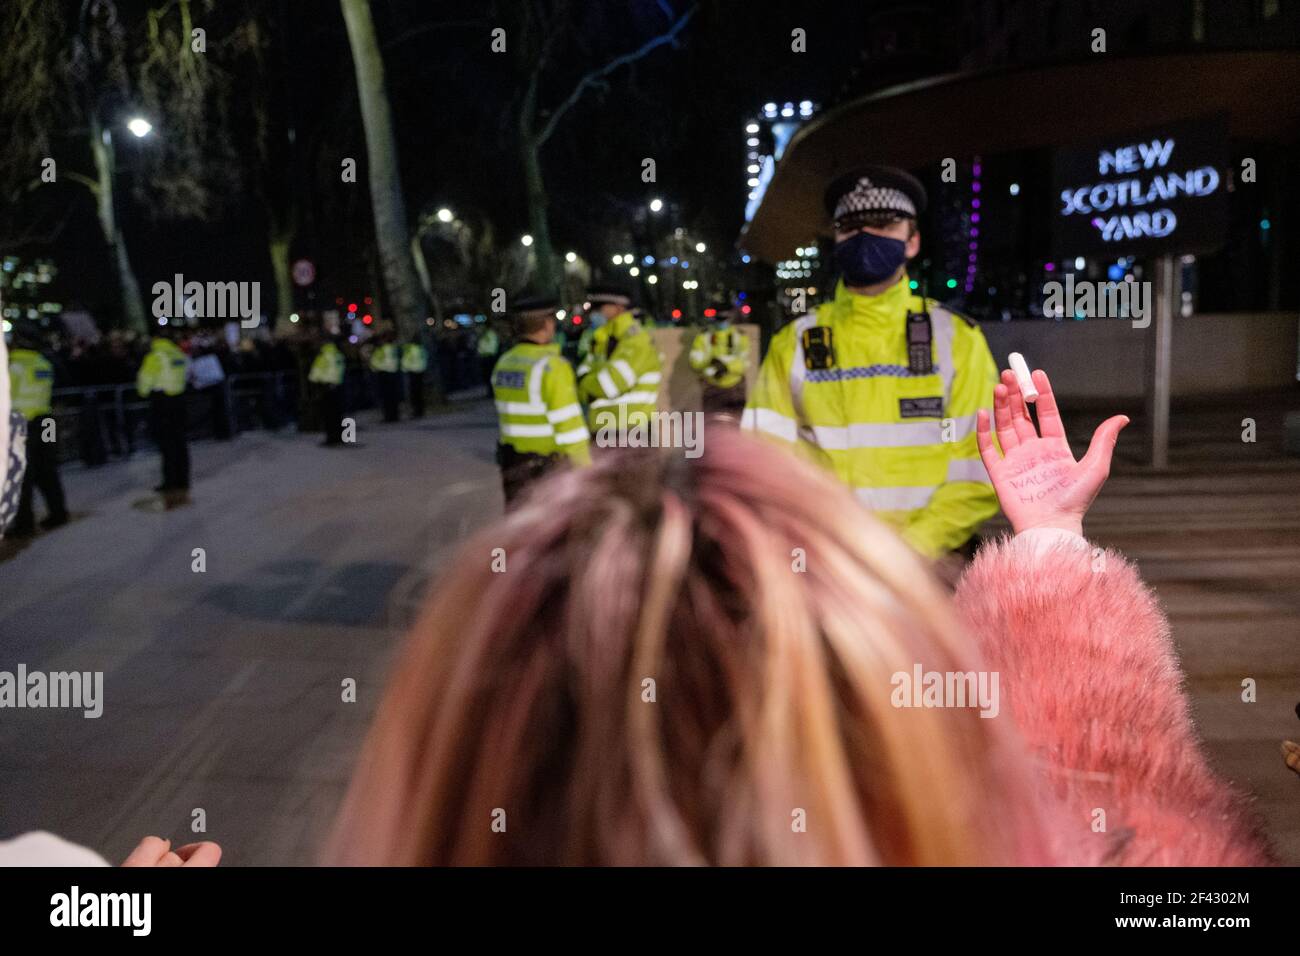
pixel 867 259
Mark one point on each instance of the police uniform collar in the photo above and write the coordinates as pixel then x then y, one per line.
pixel 894 301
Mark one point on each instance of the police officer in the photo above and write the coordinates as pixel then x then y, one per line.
pixel 882 386
pixel 31 386
pixel 415 359
pixel 620 377
pixel 327 371
pixel 386 363
pixel 161 379
pixel 719 355
pixel 537 402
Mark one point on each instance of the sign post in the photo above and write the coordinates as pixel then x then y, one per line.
pixel 1161 352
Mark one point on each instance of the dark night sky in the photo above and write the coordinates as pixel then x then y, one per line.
pixel 684 106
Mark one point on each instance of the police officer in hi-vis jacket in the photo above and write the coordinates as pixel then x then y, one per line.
pixel 537 402
pixel 882 386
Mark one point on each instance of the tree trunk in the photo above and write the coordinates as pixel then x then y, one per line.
pixel 101 145
pixel 391 231
pixel 547 282
pixel 530 153
pixel 278 247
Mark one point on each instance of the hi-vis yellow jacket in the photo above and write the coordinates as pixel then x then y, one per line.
pixel 328 367
pixel 31 383
pixel 415 357
pixel 903 441
pixel 537 402
pixel 623 369
pixel 386 358
pixel 720 356
pixel 163 369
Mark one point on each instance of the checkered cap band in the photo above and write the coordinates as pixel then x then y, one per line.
pixel 866 197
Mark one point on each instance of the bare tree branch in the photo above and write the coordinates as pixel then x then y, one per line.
pixel 597 76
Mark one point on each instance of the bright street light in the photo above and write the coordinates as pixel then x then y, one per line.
pixel 570 257
pixel 656 205
pixel 652 279
pixel 526 239
pixel 700 247
pixel 618 260
pixel 445 215
pixel 140 126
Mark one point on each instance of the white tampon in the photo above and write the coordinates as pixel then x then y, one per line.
pixel 1026 381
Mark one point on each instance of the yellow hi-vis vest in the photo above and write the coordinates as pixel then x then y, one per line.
pixel 31 383
pixel 328 366
pixel 414 357
pixel 488 344
pixel 537 402
pixel 627 375
pixel 385 358
pixel 163 369
pixel 720 356
pixel 836 386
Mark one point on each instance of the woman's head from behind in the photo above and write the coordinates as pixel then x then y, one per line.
pixel 660 660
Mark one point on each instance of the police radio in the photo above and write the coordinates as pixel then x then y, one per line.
pixel 919 336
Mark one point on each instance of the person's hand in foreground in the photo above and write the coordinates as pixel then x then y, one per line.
pixel 155 851
pixel 1037 480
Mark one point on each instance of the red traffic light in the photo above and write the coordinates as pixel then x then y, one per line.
pixel 577 320
pixel 710 313
pixel 745 309
pixel 367 319
pixel 677 313
pixel 352 307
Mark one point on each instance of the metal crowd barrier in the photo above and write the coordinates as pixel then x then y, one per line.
pixel 98 422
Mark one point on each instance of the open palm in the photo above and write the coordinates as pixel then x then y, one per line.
pixel 1038 481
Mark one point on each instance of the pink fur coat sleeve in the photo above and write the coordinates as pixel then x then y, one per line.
pixel 1088 673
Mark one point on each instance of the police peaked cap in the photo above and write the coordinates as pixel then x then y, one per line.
pixel 615 295
pixel 537 303
pixel 874 189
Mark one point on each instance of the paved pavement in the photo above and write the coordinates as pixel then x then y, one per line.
pixel 223 688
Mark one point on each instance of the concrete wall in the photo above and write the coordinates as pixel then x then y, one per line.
pixel 1105 358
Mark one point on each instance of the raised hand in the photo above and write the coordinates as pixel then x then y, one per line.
pixel 1038 482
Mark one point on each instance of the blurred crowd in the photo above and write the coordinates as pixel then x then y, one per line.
pixel 114 357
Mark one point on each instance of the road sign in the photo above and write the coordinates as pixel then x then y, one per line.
pixel 304 273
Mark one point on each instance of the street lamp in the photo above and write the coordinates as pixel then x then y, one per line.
pixel 656 205
pixel 570 257
pixel 445 215
pixel 700 247
pixel 526 239
pixel 139 126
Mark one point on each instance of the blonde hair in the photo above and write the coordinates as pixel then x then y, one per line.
pixel 685 662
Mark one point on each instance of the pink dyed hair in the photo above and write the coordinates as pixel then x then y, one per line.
pixel 685 662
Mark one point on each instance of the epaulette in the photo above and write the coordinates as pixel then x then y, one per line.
pixel 932 303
